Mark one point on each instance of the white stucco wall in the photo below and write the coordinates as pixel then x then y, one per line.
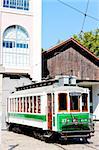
pixel 31 21
pixel 37 23
pixel 95 89
pixel 0 106
pixel 8 86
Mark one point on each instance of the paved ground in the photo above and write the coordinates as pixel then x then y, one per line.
pixel 13 141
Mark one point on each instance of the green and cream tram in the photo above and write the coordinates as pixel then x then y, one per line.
pixel 52 108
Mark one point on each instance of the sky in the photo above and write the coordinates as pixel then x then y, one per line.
pixel 59 22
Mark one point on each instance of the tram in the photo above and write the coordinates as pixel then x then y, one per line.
pixel 53 109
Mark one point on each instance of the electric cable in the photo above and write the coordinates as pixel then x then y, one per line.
pixel 81 12
pixel 85 14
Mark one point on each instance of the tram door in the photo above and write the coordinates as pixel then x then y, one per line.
pixel 49 105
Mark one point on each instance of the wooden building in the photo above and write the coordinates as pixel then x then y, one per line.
pixel 71 58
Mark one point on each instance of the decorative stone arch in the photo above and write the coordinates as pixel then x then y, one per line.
pixel 16 47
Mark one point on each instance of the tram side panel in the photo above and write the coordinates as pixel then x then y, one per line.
pixel 30 117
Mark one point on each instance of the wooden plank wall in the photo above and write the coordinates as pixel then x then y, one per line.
pixel 71 62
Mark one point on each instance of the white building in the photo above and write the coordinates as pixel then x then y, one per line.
pixel 94 96
pixel 20 45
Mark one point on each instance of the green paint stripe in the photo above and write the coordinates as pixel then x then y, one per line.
pixel 28 116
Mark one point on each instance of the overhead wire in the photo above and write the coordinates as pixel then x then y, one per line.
pixel 85 14
pixel 96 19
pixel 64 3
pixel 77 10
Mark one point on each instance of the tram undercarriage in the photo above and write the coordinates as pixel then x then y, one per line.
pixel 51 136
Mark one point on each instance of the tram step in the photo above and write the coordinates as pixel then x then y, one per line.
pixel 75 136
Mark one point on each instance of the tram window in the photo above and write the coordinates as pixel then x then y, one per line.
pixel 34 104
pixel 18 104
pixel 62 97
pixel 10 104
pixel 31 104
pixel 15 105
pixel 74 103
pixel 53 103
pixel 49 102
pixel 39 104
pixel 27 104
pixel 84 102
pixel 24 104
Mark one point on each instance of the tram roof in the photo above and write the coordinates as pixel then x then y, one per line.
pixel 48 89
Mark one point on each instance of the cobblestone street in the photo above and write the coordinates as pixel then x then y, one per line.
pixel 13 141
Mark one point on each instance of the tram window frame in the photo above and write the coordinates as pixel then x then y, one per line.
pixel 26 104
pixel 62 107
pixel 85 108
pixel 72 109
pixel 20 104
pixel 32 104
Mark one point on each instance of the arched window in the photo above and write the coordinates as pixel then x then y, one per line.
pixel 16 47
